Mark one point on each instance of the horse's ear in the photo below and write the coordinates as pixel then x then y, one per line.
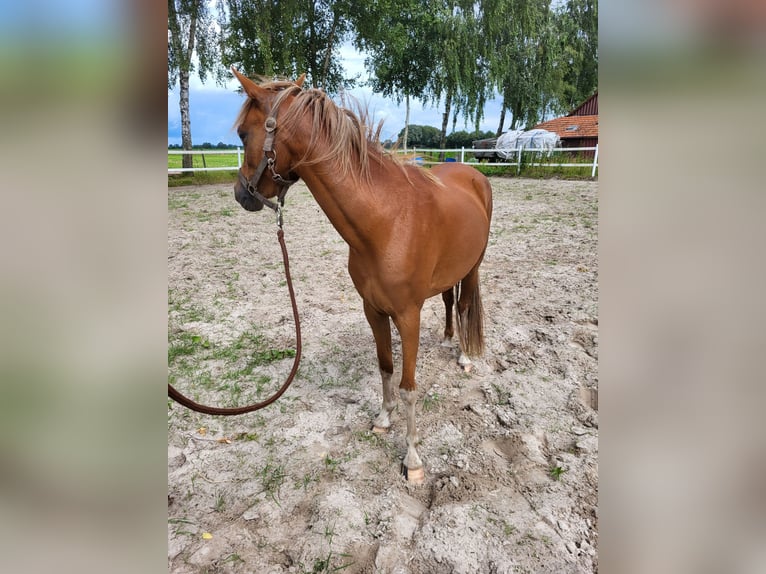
pixel 300 80
pixel 251 88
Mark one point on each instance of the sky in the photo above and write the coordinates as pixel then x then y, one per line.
pixel 214 108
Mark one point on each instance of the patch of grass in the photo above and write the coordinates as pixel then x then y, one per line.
pixel 233 558
pixel 503 395
pixel 185 344
pixel 202 178
pixel 272 478
pixel 556 472
pixel 185 310
pixel 203 216
pixel 248 437
pixel 220 501
pixel 177 203
pixel 307 479
pixel 492 170
pixel 231 288
pixel 508 529
pixel 431 401
pixel 369 437
pixel 188 352
pixel 180 527
pixel 324 565
pixel 331 464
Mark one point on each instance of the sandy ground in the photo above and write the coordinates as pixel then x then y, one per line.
pixel 511 449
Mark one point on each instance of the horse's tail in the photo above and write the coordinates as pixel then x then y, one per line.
pixel 470 323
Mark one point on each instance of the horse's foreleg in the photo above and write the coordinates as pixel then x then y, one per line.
pixel 408 325
pixel 381 330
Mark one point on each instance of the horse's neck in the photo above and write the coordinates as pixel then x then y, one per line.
pixel 351 208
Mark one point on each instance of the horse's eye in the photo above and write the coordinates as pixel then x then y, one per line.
pixel 242 136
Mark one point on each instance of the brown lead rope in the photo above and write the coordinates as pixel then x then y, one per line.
pixel 188 403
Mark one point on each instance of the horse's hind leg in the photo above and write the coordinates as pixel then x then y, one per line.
pixel 448 297
pixel 381 330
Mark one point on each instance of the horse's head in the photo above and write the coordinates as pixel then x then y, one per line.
pixel 265 171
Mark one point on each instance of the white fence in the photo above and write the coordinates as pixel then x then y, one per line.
pixel 518 154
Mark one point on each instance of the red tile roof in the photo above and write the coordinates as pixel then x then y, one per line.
pixel 572 126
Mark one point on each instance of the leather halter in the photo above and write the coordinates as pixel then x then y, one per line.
pixel 269 160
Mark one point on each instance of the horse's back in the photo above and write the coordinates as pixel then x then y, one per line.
pixel 464 177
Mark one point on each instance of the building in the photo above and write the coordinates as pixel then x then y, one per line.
pixel 579 128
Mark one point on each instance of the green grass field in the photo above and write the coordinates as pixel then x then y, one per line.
pixel 205 159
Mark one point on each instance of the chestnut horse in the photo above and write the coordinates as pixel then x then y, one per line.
pixel 412 233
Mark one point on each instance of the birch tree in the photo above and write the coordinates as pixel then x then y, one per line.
pixel 399 37
pixel 459 72
pixel 191 31
pixel 520 60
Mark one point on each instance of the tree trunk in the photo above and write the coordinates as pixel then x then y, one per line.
pixel 328 52
pixel 445 121
pixel 516 119
pixel 186 138
pixel 502 122
pixel 183 82
pixel 406 120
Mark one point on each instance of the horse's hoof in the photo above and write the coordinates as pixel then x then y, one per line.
pixel 466 368
pixel 416 476
pixel 379 430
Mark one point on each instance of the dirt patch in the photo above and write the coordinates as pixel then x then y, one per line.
pixel 510 449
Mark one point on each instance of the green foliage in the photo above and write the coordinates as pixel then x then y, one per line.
pixel 578 36
pixel 287 38
pixel 464 139
pixel 540 56
pixel 399 36
pixel 519 36
pixel 421 136
pixel 191 30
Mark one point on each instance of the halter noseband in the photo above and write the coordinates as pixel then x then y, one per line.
pixel 268 161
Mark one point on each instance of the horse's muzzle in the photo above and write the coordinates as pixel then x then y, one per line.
pixel 245 199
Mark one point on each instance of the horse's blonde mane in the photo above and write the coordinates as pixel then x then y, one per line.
pixel 341 136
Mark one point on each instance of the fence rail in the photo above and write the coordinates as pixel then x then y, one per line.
pixel 517 153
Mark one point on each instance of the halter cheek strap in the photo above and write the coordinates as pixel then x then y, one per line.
pixel 269 160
